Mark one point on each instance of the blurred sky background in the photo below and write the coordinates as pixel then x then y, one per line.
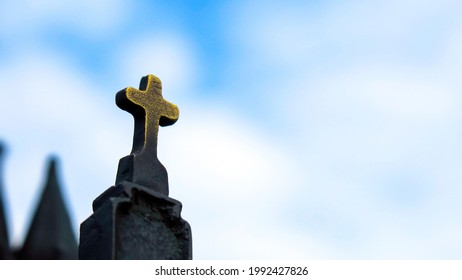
pixel 307 130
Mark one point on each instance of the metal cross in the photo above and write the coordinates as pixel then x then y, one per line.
pixel 149 110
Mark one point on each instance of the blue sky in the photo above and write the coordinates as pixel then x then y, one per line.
pixel 307 130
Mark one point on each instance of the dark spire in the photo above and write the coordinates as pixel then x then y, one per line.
pixel 5 252
pixel 50 235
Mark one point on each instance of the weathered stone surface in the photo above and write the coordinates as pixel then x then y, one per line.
pixel 138 224
pixel 136 219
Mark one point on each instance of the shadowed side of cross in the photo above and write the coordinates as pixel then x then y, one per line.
pixel 149 110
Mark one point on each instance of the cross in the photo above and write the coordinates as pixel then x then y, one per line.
pixel 149 110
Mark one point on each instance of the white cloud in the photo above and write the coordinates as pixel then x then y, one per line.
pixel 303 36
pixel 223 152
pixel 361 111
pixel 379 90
pixel 376 124
pixel 231 179
pixel 166 55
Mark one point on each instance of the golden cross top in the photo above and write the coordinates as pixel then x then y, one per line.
pixel 149 110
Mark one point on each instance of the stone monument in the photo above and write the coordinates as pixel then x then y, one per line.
pixel 135 219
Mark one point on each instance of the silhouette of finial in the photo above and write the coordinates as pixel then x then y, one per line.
pixel 50 235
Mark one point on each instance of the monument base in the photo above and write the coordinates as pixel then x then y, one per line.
pixel 132 222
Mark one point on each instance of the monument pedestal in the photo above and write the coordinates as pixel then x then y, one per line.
pixel 133 222
pixel 136 219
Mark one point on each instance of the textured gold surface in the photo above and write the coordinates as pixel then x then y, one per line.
pixel 149 109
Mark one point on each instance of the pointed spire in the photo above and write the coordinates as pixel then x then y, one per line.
pixel 50 234
pixel 5 252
